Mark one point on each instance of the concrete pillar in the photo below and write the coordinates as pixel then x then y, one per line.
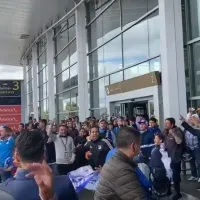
pixel 24 97
pixel 50 75
pixel 172 57
pixel 83 100
pixel 35 86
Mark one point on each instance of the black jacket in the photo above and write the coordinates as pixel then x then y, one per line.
pixel 73 133
pixel 99 150
pixel 80 140
pixel 156 159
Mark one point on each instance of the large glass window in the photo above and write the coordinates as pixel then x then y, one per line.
pixel 64 34
pixel 68 102
pixel 43 109
pixel 42 78
pixel 104 27
pixel 195 50
pixel 154 35
pixel 98 92
pixel 119 48
pixel 29 75
pixel 106 59
pixel 132 10
pixel 194 18
pixel 136 44
pixel 155 64
pixel 131 72
pixel 42 60
pixel 191 23
pixel 117 77
pixel 66 72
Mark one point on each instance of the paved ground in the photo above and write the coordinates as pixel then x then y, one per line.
pixel 87 195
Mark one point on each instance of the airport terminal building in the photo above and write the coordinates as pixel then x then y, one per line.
pixel 113 57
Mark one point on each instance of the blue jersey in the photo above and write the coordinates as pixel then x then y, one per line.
pixel 6 150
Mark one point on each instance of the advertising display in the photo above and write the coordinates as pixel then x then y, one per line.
pixel 10 103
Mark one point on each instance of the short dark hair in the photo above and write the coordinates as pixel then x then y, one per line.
pixel 160 136
pixel 171 120
pixel 94 127
pixel 126 136
pixel 30 146
pixel 44 121
pixel 153 119
pixel 21 124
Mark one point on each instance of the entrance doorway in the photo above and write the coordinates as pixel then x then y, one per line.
pixel 143 108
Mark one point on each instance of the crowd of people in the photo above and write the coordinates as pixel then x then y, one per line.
pixel 71 144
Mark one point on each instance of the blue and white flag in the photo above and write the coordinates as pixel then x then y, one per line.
pixel 82 176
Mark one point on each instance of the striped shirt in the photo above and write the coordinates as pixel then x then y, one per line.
pixel 191 140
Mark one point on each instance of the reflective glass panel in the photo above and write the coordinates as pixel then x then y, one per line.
pixel 41 77
pixel 64 101
pixel 131 72
pixel 42 61
pixel 132 10
pixel 72 32
pixel 104 27
pixel 154 35
pixel 107 59
pixel 74 75
pixel 195 69
pixel 62 40
pixel 152 4
pixel 96 61
pixel 136 44
pixel 74 100
pixel 73 53
pixel 62 61
pixel 112 56
pixel 194 18
pixel 63 81
pixel 155 64
pixel 143 68
pixel 41 45
pixel 98 92
pixel 117 77
pixel 44 91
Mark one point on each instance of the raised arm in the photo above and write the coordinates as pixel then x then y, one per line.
pixel 193 131
pixel 52 137
pixel 186 126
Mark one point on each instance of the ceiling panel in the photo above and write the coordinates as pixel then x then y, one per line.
pixel 30 17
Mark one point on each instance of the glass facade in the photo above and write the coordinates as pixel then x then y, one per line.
pixel 191 19
pixel 123 42
pixel 66 72
pixel 42 78
pixel 29 78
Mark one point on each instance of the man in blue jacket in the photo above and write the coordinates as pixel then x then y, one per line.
pixel 30 149
pixel 147 141
pixel 120 124
pixel 153 126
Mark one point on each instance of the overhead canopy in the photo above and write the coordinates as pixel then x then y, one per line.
pixel 25 19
